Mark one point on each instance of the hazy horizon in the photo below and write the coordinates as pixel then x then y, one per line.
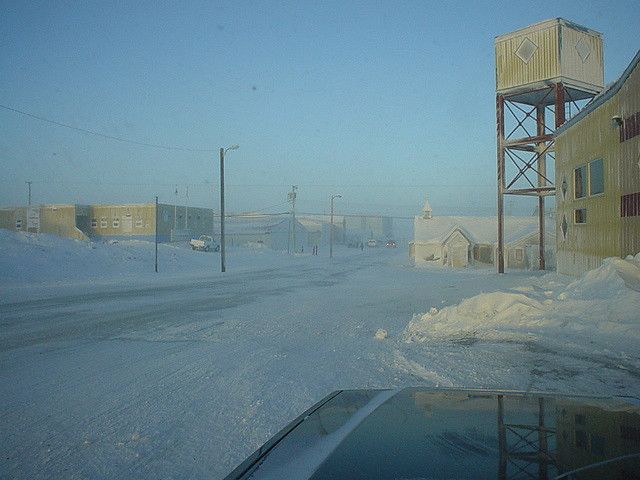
pixel 380 103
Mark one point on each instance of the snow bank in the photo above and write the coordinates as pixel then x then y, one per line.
pixel 608 280
pixel 600 311
pixel 493 315
pixel 39 259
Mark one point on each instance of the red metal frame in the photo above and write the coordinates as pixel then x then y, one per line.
pixel 539 145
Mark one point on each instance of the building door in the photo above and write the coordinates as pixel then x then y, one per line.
pixel 127 223
pixel 459 255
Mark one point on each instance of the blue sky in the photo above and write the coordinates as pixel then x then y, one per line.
pixel 378 101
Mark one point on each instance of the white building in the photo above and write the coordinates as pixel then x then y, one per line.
pixel 458 241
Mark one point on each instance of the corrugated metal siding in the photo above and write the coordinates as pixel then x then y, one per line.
pixel 512 72
pixel 144 213
pixel 594 137
pixel 60 220
pixel 630 161
pixel 555 59
pixel 589 73
pixel 8 217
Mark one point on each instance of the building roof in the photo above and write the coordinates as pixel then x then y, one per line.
pixel 265 224
pixel 310 224
pixel 550 22
pixel 478 230
pixel 609 91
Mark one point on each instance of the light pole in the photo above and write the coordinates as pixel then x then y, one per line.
pixel 331 227
pixel 222 152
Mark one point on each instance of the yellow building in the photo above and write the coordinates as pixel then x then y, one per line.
pixel 598 178
pixel 55 219
pixel 121 221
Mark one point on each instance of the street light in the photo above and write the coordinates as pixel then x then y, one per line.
pixel 331 228
pixel 222 152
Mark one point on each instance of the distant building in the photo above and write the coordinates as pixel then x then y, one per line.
pixel 462 241
pixel 138 220
pixel 122 221
pixel 54 219
pixel 598 178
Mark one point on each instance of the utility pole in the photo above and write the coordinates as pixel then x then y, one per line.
pixel 223 267
pixel 29 184
pixel 156 234
pixel 175 215
pixel 331 227
pixel 292 198
pixel 344 230
pixel 186 209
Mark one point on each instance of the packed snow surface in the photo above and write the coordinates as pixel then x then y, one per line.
pixel 599 312
pixel 109 370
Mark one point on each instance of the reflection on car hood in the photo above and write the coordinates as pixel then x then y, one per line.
pixel 418 433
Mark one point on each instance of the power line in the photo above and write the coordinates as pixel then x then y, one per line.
pixel 278 214
pixel 104 135
pixel 253 185
pixel 357 215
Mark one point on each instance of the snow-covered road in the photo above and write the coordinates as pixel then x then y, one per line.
pixel 184 376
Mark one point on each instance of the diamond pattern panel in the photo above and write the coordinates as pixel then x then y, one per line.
pixel 526 50
pixel 583 49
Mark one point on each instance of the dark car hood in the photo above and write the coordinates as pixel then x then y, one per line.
pixel 418 433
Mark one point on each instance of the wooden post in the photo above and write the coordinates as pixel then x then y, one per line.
pixel 542 172
pixel 559 104
pixel 156 234
pixel 501 184
pixel 222 259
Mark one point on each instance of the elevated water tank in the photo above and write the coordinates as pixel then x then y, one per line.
pixel 533 58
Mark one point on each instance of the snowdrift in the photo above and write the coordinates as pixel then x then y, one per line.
pixel 28 259
pixel 599 311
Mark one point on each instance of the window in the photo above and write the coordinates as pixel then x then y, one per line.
pixel 18 223
pixel 518 254
pixel 103 222
pixel 94 223
pixel 138 223
pixel 630 127
pixel 580 181
pixel 116 223
pixel 596 177
pixel 580 215
pixel 630 205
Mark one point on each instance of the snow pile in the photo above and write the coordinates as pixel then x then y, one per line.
pixel 599 311
pixel 608 280
pixel 28 259
pixel 495 315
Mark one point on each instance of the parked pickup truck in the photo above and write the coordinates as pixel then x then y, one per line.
pixel 204 243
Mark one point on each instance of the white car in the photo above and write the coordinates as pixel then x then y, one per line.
pixel 204 243
pixel 372 243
